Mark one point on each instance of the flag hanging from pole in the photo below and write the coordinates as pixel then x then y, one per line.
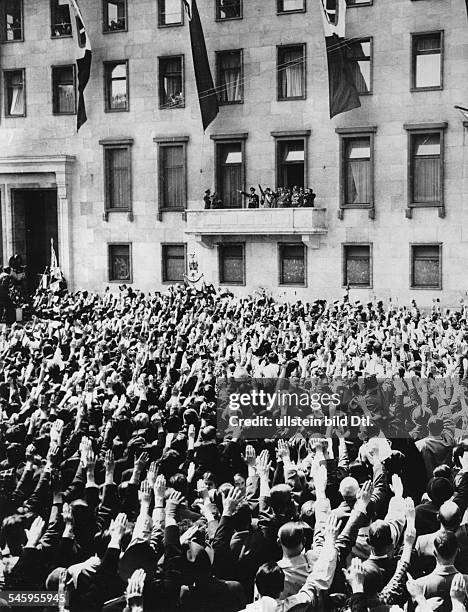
pixel 343 94
pixel 83 58
pixel 205 86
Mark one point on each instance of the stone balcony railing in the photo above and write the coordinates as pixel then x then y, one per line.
pixel 209 225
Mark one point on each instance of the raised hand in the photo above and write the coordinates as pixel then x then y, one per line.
pixel 160 487
pixel 263 464
pixel 365 493
pixel 355 575
pixel 283 450
pixel 135 586
pixel 67 514
pixel 332 528
pixel 141 461
pixel 144 494
pixel 202 490
pixel 458 588
pixel 118 527
pixel 397 486
pixel 34 532
pixel 250 456
pixel 151 475
pixel 231 501
pixel 173 501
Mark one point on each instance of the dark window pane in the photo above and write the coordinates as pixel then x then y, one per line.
pixel 13 20
pixel 426 166
pixel 285 6
pixel 171 93
pixel 172 176
pixel 291 72
pixel 357 265
pixel 115 15
pixel 116 83
pixel 292 265
pixel 232 264
pixel 359 54
pixel 64 89
pixel 119 262
pixel 291 163
pixel 174 262
pixel 426 266
pixel 118 178
pixel 61 23
pixel 229 77
pixel 228 9
pixel 230 174
pixel 14 93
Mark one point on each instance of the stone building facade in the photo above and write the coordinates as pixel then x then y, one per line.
pixel 391 177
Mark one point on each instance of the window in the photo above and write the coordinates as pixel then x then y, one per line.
pixel 426 268
pixel 357 265
pixel 359 2
pixel 231 264
pixel 118 175
pixel 230 173
pixel 15 105
pixel 172 177
pixel 60 21
pixel 115 15
pixel 292 264
pixel 63 90
pixel 171 82
pixel 116 85
pixel 120 263
pixel 228 9
pixel 290 6
pixel 425 168
pixel 170 12
pixel 229 77
pixel 290 163
pixel 360 55
pixel 357 171
pixel 173 263
pixel 291 72
pixel 426 70
pixel 12 20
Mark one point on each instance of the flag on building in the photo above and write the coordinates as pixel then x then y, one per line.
pixel 343 94
pixel 205 86
pixel 463 110
pixel 83 58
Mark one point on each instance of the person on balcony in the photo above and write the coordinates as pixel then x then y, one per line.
pixel 253 199
pixel 309 198
pixel 284 198
pixel 207 199
pixel 268 198
pixel 297 197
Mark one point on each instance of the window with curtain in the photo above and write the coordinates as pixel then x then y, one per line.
pixel 172 176
pixel 173 262
pixel 119 262
pixel 427 60
pixel 360 59
pixel 171 87
pixel 63 81
pixel 357 171
pixel 290 6
pixel 115 15
pixel 357 2
pixel 292 264
pixel 170 12
pixel 229 72
pixel 60 18
pixel 118 178
pixel 14 93
pixel 357 265
pixel 13 19
pixel 231 264
pixel 228 9
pixel 426 167
pixel 425 266
pixel 291 163
pixel 291 72
pixel 116 85
pixel 230 173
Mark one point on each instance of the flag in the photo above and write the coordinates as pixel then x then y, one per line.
pixel 83 58
pixel 205 86
pixel 343 94
pixel 53 259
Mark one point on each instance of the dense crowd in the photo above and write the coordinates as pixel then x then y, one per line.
pixel 118 492
pixel 283 197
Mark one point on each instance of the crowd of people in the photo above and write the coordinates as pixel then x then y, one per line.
pixel 117 491
pixel 283 197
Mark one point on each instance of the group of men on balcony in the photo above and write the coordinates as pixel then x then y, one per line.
pixel 284 197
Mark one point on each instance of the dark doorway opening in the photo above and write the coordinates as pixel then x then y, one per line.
pixel 34 226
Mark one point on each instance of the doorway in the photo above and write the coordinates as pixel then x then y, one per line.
pixel 34 226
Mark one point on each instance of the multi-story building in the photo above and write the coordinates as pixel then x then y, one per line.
pixel 123 197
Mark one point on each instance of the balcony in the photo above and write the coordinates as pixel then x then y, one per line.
pixel 209 226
